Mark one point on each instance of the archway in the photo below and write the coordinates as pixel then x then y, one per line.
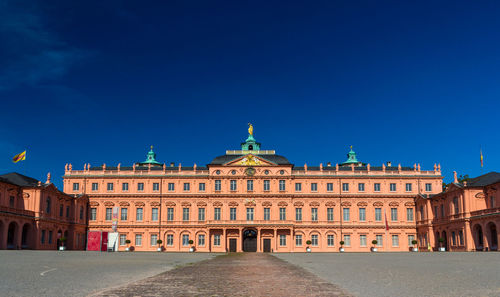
pixel 249 240
pixel 492 236
pixel 12 236
pixel 478 237
pixel 25 237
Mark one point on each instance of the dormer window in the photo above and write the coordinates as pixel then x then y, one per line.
pixel 250 147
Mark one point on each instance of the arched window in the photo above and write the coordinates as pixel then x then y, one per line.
pixel 250 147
pixel 49 206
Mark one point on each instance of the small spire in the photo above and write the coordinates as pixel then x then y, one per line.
pixel 455 178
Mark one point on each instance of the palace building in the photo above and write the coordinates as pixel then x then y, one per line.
pixel 255 200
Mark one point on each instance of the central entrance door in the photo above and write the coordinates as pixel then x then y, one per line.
pixel 232 245
pixel 267 245
pixel 250 241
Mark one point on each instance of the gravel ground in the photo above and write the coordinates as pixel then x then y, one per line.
pixel 76 273
pixel 406 274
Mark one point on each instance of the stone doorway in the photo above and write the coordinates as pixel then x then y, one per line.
pixel 249 240
pixel 232 245
pixel 267 245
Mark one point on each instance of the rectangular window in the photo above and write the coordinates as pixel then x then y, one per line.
pixel 249 214
pixel 282 240
pixel 170 239
pixel 455 205
pixel 217 213
pixel 170 214
pixel 216 240
pixel 93 214
pixel 171 187
pixel 329 187
pixel 50 237
pixel 379 239
pixel 154 238
pixel 138 239
pixel 461 237
pixel 314 214
pixel 61 210
pixel 442 210
pixel 421 212
pixel 267 214
pixel 392 187
pixel 186 187
pixel 154 214
pixel 12 201
pixel 436 214
pixel 185 214
pixel 201 214
pixel 298 187
pixel 282 185
pixel 314 240
pixel 329 214
pixel 361 187
pixel 232 214
pixel 110 186
pixel 108 213
pixel 125 187
pixel 394 214
pixel 67 211
pixel 185 239
pixel 346 214
pixel 410 239
pixel 156 187
pixel 201 240
pixel 43 237
pixel 76 186
pixel 409 214
pixel 314 187
pixel 124 214
pixel 201 187
pixel 376 187
pixel 298 214
pixel 453 238
pixel 330 240
pixel 362 214
pixel 428 187
pixel 95 187
pixel 408 187
pixel 138 214
pixel 362 240
pixel 123 238
pixel 298 240
pixel 232 185
pixel 282 214
pixel 267 185
pixel 395 240
pixel 217 185
pixel 378 214
pixel 249 185
pixel 347 240
pixel 345 187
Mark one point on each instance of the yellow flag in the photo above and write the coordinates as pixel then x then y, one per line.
pixel 19 157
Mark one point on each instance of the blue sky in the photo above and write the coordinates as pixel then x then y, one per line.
pixel 100 81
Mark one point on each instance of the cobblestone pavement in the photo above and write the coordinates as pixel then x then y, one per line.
pixel 243 274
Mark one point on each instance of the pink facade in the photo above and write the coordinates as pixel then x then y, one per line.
pixel 35 215
pixel 255 200
pixel 466 215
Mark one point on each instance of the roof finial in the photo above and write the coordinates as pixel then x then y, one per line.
pixel 250 129
pixel 48 178
pixel 351 147
pixel 151 147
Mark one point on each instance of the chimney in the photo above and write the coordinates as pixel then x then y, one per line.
pixel 329 164
pixel 389 163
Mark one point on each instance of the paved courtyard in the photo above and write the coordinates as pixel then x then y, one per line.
pixel 76 273
pixel 406 274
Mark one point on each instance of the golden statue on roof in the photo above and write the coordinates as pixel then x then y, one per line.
pixel 250 129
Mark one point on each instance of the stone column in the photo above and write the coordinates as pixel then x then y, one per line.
pixel 259 239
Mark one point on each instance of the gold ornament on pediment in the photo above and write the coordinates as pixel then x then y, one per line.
pixel 250 160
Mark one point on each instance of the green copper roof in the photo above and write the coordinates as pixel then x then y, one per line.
pixel 250 144
pixel 351 158
pixel 151 159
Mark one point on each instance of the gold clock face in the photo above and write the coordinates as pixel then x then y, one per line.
pixel 250 171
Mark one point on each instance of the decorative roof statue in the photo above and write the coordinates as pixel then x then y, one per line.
pixel 250 129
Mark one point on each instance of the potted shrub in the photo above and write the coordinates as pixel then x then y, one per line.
pixel 415 248
pixel 341 246
pixel 374 248
pixel 308 249
pixel 62 240
pixel 159 242
pixel 128 243
pixel 441 248
pixel 191 249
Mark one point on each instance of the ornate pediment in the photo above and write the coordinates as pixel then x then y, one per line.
pixel 124 203
pixel 330 203
pixel 249 160
pixel 345 203
pixel 201 203
pixel 94 203
pixel 109 203
pixel 394 203
pixel 314 203
pixel 267 203
pixel 170 203
pixel 282 203
pixel 378 203
pixel 410 203
pixel 233 203
pixel 185 203
pixel 140 203
pixel 298 203
pixel 362 204
pixel 217 203
pixel 154 203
